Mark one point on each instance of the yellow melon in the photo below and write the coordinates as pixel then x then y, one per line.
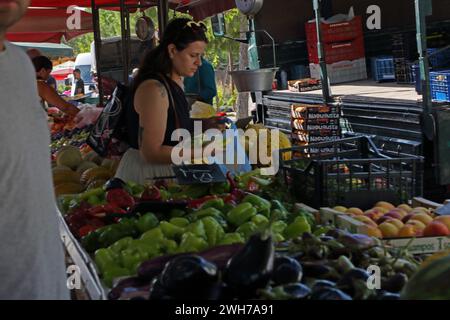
pixel 95 174
pixel 86 165
pixel 69 156
pixel 64 176
pixel 68 188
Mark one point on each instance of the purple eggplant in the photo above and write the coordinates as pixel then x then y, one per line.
pixel 124 285
pixel 286 270
pixel 251 268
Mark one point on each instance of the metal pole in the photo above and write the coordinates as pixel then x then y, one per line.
pixel 323 66
pixel 163 16
pixel 97 45
pixel 124 40
pixel 424 8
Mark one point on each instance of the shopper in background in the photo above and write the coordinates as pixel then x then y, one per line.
pixel 202 86
pixel 31 253
pixel 160 101
pixel 43 67
pixel 79 83
pixel 33 53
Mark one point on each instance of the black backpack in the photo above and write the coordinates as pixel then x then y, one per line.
pixel 116 129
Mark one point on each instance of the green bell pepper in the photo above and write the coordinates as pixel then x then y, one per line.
pixel 220 188
pixel 179 222
pixel 262 205
pixel 297 228
pixel 278 226
pixel 214 231
pixel 90 242
pixel 260 221
pixel 213 203
pixel 121 244
pixel 131 258
pixel 146 222
pixel 208 212
pixel 177 213
pixel 192 243
pixel 278 237
pixel 282 212
pixel 241 214
pixel 169 246
pixel 247 229
pixel 197 228
pixel 96 192
pixel 230 238
pixel 113 272
pixel 171 231
pixel 153 235
pixel 104 258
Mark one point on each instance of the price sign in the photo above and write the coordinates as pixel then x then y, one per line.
pixel 199 174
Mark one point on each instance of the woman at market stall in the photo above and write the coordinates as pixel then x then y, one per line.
pixel 160 101
pixel 43 67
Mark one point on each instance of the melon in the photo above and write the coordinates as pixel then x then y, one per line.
pixel 96 184
pixel 430 282
pixel 60 168
pixel 86 165
pixel 93 157
pixel 68 188
pixel 64 176
pixel 93 174
pixel 69 156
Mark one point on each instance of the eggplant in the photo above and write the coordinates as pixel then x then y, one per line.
pixel 158 291
pixel 318 269
pixel 321 284
pixel 336 233
pixel 357 242
pixel 286 270
pixel 190 277
pixel 353 280
pixel 386 295
pixel 325 238
pixel 297 291
pixel 124 285
pixel 251 268
pixel 330 294
pixel 395 283
pixel 114 183
pixel 152 268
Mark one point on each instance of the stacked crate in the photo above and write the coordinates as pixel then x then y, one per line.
pixel 314 123
pixel 343 45
pixel 404 50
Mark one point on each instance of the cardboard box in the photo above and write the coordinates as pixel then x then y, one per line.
pixel 315 124
pixel 311 112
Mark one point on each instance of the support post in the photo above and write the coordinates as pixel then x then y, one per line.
pixel 163 15
pixel 97 45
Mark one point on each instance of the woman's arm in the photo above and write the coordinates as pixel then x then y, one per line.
pixel 151 103
pixel 52 97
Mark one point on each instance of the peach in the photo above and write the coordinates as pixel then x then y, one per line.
pixel 371 231
pixel 417 224
pixel 443 219
pixel 340 209
pixel 381 209
pixel 385 204
pixel 436 229
pixel 373 214
pixel 422 217
pixel 405 208
pixel 388 230
pixel 420 210
pixel 355 211
pixel 397 223
pixel 408 231
pixel 407 217
pixel 394 214
pixel 366 220
pixel 383 219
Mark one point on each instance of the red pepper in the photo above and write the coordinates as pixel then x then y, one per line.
pixel 151 194
pixel 252 186
pixel 197 203
pixel 119 198
pixel 86 230
pixel 103 210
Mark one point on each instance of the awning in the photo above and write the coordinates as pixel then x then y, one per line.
pixel 51 50
pixel 49 25
pixel 199 9
pixel 61 71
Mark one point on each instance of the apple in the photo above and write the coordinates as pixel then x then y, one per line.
pixel 405 208
pixel 366 220
pixel 383 219
pixel 408 231
pixel 383 210
pixel 388 230
pixel 397 223
pixel 436 229
pixel 417 224
pixel 394 214
pixel 443 219
pixel 407 217
pixel 422 217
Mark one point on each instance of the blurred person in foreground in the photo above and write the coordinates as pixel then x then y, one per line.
pixel 32 258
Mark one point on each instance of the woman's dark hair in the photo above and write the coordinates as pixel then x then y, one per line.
pixel 42 62
pixel 181 32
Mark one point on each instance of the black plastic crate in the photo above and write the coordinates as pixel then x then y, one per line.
pixel 351 172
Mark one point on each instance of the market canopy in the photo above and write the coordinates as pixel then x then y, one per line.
pixel 49 25
pixel 61 71
pixel 51 50
pixel 199 9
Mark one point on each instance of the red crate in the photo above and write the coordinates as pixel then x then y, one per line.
pixel 336 52
pixel 335 32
